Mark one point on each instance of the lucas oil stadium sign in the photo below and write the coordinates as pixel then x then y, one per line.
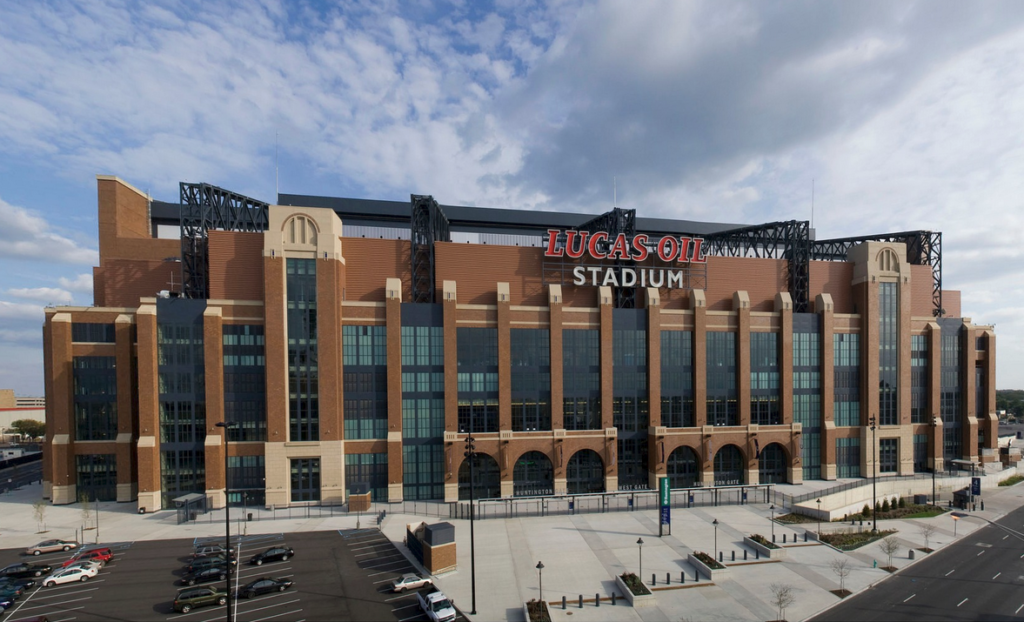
pixel 572 244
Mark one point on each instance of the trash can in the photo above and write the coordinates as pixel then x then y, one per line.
pixel 249 516
pixel 911 554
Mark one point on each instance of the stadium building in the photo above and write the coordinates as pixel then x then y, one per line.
pixel 355 343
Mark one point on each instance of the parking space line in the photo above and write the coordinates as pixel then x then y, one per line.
pixel 278 615
pixel 67 585
pixel 66 593
pixel 401 561
pixel 372 546
pixel 383 580
pixel 377 574
pixel 405 607
pixel 281 604
pixel 243 601
pixel 63 602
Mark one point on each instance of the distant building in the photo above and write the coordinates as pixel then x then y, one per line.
pixel 358 342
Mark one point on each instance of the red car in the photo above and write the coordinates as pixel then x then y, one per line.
pixel 103 554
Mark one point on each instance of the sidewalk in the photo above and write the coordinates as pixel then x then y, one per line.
pixel 582 554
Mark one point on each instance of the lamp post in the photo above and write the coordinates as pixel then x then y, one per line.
pixel 640 554
pixel 819 518
pixel 715 523
pixel 540 579
pixel 935 459
pixel 470 455
pixel 773 521
pixel 874 476
pixel 227 425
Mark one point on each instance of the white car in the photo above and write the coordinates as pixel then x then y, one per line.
pixel 409 582
pixel 68 575
pixel 86 563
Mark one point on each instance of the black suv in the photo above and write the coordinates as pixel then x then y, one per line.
pixel 22 570
pixel 213 573
pixel 274 554
pixel 208 562
pixel 191 598
pixel 264 585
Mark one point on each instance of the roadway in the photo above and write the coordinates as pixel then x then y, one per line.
pixel 13 478
pixel 980 577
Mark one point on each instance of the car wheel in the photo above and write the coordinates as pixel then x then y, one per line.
pixel 222 601
pixel 186 608
pixel 66 548
pixel 402 589
pixel 49 584
pixel 284 558
pixel 259 562
pixel 250 594
pixel 39 573
pixel 223 577
pixel 38 552
pixel 191 582
pixel 282 588
pixel 84 578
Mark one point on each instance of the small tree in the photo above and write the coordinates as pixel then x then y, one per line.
pixel 866 512
pixel 878 506
pixel 902 503
pixel 885 505
pixel 39 508
pixel 83 498
pixel 927 531
pixel 889 546
pixel 841 567
pixel 782 597
pixel 29 427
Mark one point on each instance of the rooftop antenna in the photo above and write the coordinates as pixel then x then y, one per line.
pixel 615 193
pixel 277 169
pixel 812 203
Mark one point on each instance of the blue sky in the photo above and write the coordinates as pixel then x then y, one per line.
pixel 903 116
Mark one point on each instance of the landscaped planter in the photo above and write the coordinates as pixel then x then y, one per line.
pixel 777 553
pixel 704 569
pixel 646 600
pixel 546 617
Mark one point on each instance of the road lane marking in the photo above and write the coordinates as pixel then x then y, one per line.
pixel 1018 610
pixel 1006 536
pixel 997 574
pixel 951 572
pixel 286 613
pixel 980 554
pixel 288 602
pixel 911 596
pixel 68 593
pixel 963 601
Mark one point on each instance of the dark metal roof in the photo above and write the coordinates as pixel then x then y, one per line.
pixel 485 219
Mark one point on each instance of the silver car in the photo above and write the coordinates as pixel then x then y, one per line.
pixel 410 582
pixel 51 546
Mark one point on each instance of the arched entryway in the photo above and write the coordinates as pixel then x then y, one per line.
pixel 683 468
pixel 772 465
pixel 486 478
pixel 584 473
pixel 729 466
pixel 533 475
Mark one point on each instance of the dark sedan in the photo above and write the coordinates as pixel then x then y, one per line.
pixel 22 584
pixel 23 570
pixel 273 554
pixel 207 562
pixel 6 603
pixel 213 573
pixel 264 585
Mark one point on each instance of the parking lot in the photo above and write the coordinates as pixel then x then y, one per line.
pixel 338 576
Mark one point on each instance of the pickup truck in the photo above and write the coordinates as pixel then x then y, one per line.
pixel 437 606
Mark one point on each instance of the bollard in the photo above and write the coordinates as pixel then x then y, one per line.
pixel 613 599
pixel 757 554
pixel 654 579
pixel 734 556
pixel 597 600
pixel 720 558
pixel 874 563
pixel 581 601
pixel 783 538
pixel 745 554
pixel 773 538
pixel 805 536
pixel 982 505
pixel 911 554
pixel 668 578
pixel 563 601
pixel 682 577
pixel 696 575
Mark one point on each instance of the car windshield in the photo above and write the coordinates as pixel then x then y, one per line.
pixel 441 605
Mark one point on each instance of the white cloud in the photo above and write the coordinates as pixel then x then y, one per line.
pixel 81 283
pixel 48 295
pixel 25 235
pixel 20 311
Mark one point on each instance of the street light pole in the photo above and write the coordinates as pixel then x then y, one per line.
pixel 773 521
pixel 935 459
pixel 819 518
pixel 715 523
pixel 470 455
pixel 640 550
pixel 874 476
pixel 540 579
pixel 228 425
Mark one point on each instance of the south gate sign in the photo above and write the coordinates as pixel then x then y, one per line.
pixel 600 246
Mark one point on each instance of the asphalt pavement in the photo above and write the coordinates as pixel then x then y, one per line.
pixel 980 577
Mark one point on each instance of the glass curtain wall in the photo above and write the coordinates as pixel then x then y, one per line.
pixel 677 379
pixel 303 369
pixel 423 402
pixel 807 389
pixel 630 410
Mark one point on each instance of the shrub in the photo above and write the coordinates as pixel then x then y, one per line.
pixel 634 584
pixel 885 505
pixel 708 561
pixel 866 511
pixel 902 503
pixel 878 506
pixel 756 537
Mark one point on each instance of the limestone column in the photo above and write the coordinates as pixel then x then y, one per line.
pixel 393 315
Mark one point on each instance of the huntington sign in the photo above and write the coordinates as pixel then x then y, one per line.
pixel 599 245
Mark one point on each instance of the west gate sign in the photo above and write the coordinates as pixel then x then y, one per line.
pixel 572 244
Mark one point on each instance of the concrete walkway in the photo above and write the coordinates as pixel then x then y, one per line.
pixel 582 554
